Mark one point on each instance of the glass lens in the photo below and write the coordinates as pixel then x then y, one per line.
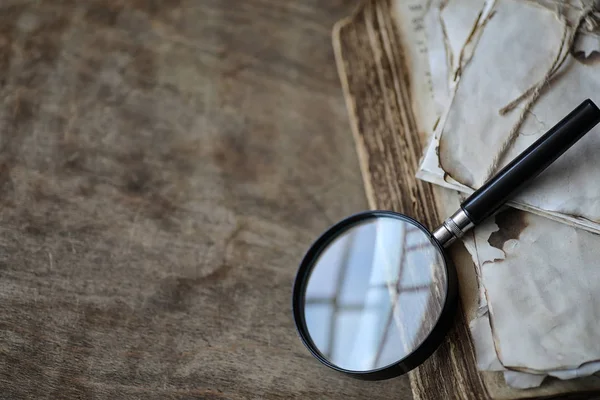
pixel 375 293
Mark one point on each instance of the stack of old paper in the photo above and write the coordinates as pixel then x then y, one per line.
pixel 501 73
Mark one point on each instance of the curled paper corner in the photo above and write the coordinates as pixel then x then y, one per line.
pixel 527 380
pixel 485 353
pixel 430 169
pixel 586 369
pixel 523 380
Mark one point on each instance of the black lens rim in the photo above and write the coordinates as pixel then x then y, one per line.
pixel 427 347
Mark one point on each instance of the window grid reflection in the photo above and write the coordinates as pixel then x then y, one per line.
pixel 340 308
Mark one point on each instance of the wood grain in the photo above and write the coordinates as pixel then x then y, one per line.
pixel 390 147
pixel 375 79
pixel 163 167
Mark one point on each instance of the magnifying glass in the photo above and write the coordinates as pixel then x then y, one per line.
pixel 376 294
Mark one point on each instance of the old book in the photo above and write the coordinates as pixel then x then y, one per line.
pixel 378 69
pixel 530 328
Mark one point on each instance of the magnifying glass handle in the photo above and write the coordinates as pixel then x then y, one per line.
pixel 525 167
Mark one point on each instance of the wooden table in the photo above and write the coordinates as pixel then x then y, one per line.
pixel 163 166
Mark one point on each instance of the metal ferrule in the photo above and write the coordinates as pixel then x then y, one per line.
pixel 453 228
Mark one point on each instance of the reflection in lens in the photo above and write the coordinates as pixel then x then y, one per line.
pixel 374 294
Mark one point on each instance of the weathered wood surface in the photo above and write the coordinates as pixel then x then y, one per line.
pixel 163 167
pixel 373 74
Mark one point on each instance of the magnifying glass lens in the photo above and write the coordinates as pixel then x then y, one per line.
pixel 374 293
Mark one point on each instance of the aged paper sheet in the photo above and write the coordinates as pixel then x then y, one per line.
pixel 443 84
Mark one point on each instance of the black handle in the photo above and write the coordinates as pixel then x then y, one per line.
pixel 531 162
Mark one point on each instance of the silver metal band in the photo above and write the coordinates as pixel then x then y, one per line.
pixel 453 228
